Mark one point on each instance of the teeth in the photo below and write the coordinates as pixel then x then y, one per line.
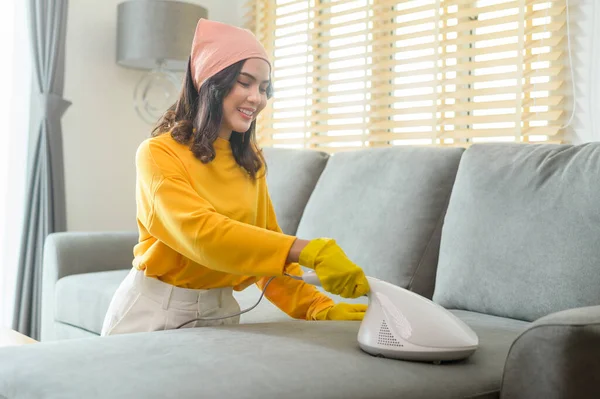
pixel 244 111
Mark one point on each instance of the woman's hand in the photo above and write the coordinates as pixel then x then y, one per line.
pixel 343 311
pixel 338 274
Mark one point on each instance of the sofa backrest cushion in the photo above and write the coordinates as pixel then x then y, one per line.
pixel 291 177
pixel 521 237
pixel 385 207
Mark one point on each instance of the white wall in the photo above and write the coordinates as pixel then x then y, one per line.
pixel 585 46
pixel 101 129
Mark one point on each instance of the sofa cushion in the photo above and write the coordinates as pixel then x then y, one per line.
pixel 83 299
pixel 291 177
pixel 385 208
pixel 272 360
pixel 264 312
pixel 521 233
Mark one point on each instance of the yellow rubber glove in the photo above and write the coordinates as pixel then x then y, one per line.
pixel 338 275
pixel 343 311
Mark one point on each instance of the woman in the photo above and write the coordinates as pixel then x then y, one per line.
pixel 205 218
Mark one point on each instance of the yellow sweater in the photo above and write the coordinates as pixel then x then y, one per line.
pixel 209 225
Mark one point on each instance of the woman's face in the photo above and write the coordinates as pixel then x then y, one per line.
pixel 247 97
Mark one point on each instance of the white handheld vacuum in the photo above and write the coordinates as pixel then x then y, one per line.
pixel 401 324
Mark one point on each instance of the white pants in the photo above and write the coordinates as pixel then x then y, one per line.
pixel 147 304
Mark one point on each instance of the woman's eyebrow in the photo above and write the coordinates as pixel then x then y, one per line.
pixel 253 78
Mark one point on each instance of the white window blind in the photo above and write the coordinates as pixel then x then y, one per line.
pixel 374 73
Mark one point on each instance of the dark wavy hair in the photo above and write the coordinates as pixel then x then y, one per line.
pixel 195 120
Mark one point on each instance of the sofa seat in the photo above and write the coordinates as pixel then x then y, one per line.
pixel 83 299
pixel 255 360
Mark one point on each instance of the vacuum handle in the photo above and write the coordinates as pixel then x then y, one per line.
pixel 311 278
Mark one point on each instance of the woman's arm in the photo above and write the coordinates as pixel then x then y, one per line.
pixel 297 247
pixel 304 301
pixel 173 212
pixel 294 297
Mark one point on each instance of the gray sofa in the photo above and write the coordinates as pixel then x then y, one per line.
pixel 506 236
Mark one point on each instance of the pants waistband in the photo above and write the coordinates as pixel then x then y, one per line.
pixel 166 293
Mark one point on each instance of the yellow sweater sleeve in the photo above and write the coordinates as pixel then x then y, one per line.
pixel 296 298
pixel 173 212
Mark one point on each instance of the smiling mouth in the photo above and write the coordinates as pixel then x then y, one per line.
pixel 246 113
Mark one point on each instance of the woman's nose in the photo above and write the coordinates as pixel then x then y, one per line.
pixel 254 95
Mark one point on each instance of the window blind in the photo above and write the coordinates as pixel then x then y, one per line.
pixel 373 73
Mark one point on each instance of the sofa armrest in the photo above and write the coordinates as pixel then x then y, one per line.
pixel 558 356
pixel 71 253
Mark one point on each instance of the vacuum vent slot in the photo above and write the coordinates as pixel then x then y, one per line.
pixel 385 336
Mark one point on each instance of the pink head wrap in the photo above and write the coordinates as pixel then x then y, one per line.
pixel 217 45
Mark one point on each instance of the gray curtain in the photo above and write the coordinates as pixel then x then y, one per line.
pixel 45 206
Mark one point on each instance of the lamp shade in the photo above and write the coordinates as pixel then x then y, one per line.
pixel 156 32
